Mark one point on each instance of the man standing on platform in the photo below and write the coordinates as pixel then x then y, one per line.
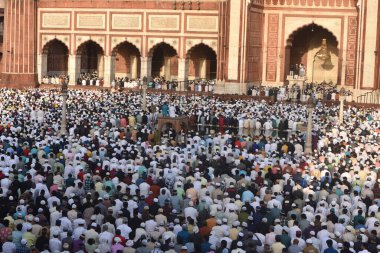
pixel 165 110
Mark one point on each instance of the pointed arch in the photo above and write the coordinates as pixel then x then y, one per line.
pixel 311 25
pixel 92 57
pixel 164 61
pixel 125 42
pixel 160 44
pixel 202 62
pixel 301 47
pixel 57 53
pixel 51 42
pixel 84 43
pixel 127 60
pixel 194 47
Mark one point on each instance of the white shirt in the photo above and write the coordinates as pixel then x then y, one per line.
pixel 66 223
pixel 278 229
pixel 78 232
pixel 5 183
pixel 270 238
pixel 9 247
pixel 125 230
pixel 106 237
pixel 191 212
pixel 54 216
pixel 150 225
pixel 55 245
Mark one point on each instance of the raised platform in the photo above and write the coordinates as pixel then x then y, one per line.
pixel 298 80
pixel 178 123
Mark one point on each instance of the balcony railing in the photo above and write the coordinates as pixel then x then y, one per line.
pixel 371 97
pixel 312 3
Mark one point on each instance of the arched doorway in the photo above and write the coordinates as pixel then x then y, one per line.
pixel 164 61
pixel 202 62
pixel 57 58
pixel 305 45
pixel 92 58
pixel 127 60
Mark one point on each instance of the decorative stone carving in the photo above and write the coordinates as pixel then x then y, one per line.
pixel 124 21
pixel 118 40
pixel 202 23
pixel 56 20
pixel 65 39
pixel 190 43
pixel 173 42
pixel 164 22
pixel 100 40
pixel 91 21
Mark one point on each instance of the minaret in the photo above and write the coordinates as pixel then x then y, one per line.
pixel 19 54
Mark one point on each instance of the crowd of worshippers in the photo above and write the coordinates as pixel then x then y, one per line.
pixel 111 184
pixel 198 85
pixel 125 82
pixel 90 79
pixel 156 83
pixel 55 79
pixel 201 85
pixel 161 83
pixel 281 93
pixel 323 91
pixel 262 91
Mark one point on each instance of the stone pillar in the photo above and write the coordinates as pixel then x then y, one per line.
pixel 133 60
pixel 19 48
pixel 41 66
pixel 369 29
pixel 287 61
pixel 74 68
pixel 341 108
pixel 144 87
pixel 109 70
pixel 100 65
pixel 202 68
pixel 308 144
pixel 146 67
pixel 64 110
pixel 183 72
pixel 167 68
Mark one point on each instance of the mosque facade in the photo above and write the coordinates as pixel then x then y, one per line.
pixel 238 43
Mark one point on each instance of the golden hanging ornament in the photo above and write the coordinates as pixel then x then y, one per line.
pixel 323 54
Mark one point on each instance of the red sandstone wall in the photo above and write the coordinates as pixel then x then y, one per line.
pixel 255 27
pixel 174 66
pixel 318 3
pixel 121 4
pixel 19 65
